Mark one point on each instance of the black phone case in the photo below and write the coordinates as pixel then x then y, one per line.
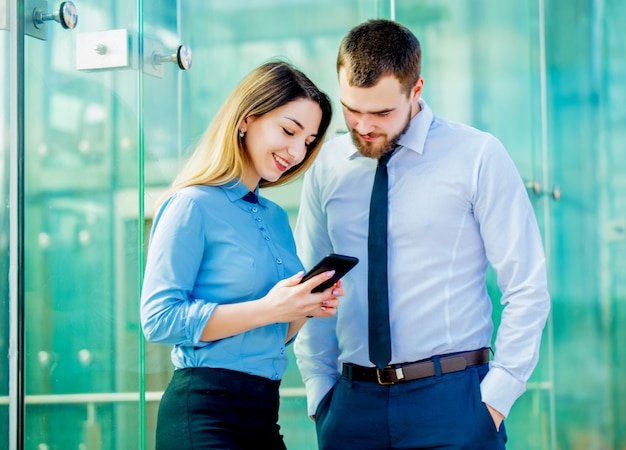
pixel 341 264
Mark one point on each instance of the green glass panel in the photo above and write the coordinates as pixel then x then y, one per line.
pixel 586 56
pixel 228 39
pixel 81 275
pixel 4 231
pixel 546 77
pixel 482 66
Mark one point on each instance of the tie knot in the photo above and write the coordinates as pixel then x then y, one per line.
pixel 382 161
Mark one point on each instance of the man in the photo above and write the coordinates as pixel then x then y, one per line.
pixel 456 204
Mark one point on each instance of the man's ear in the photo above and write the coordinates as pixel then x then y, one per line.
pixel 416 90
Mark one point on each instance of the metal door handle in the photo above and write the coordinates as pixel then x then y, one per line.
pixel 535 186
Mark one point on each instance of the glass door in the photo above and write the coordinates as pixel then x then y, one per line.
pixel 227 40
pixel 6 76
pixel 585 52
pixel 483 64
pixel 80 91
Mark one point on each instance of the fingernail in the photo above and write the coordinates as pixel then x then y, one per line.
pixel 330 274
pixel 323 308
pixel 336 292
pixel 325 302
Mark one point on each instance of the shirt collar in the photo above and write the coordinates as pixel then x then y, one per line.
pixel 235 191
pixel 415 136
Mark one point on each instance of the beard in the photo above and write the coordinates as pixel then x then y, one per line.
pixel 378 148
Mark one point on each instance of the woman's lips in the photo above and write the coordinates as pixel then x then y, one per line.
pixel 281 163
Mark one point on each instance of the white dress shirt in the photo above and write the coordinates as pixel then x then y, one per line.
pixel 456 205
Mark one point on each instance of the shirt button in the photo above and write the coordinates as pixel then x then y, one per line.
pixel 282 350
pixel 254 209
pixel 267 238
pixel 279 261
pixel 258 219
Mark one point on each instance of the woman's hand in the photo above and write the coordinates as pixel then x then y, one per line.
pixel 290 301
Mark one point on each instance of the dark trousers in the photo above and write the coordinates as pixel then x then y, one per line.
pixel 204 408
pixel 442 412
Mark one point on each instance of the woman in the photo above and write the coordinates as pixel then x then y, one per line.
pixel 222 277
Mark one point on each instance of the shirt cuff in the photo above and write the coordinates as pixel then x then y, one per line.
pixel 500 390
pixel 198 315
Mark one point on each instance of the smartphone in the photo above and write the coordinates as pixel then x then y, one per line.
pixel 341 264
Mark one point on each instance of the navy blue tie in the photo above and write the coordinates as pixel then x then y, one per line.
pixel 378 302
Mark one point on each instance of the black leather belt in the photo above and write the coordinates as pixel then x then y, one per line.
pixel 414 371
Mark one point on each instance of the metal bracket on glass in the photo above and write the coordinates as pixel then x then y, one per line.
pixel 102 50
pixel 182 58
pixel 36 18
pixel 534 185
pixel 156 57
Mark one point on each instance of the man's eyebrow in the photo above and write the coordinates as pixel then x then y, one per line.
pixel 382 111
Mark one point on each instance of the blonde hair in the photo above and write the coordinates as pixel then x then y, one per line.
pixel 220 156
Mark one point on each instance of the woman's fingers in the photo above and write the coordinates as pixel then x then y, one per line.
pixel 318 279
pixel 329 303
pixel 293 296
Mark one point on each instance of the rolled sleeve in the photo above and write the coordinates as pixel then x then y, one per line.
pixel 169 314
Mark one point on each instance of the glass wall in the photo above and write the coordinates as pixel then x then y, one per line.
pixel 108 119
pixel 483 65
pixel 80 145
pixel 586 56
pixel 5 58
pixel 228 39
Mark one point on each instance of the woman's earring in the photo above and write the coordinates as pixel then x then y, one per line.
pixel 241 133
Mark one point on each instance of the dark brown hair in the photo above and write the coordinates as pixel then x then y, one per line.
pixel 378 48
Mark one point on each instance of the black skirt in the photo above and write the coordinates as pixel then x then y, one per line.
pixel 204 408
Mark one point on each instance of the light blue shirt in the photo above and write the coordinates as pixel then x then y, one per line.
pixel 208 247
pixel 456 204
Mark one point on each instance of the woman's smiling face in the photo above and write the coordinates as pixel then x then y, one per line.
pixel 279 139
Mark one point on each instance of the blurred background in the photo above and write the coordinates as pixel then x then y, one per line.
pixel 96 120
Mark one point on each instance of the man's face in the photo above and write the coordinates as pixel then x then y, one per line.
pixel 377 116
